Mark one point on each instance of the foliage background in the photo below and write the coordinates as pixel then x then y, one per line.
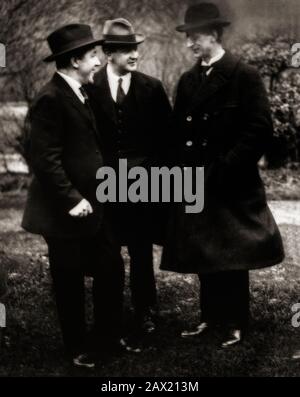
pixel 262 33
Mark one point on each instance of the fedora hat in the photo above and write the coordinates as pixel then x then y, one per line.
pixel 69 38
pixel 201 16
pixel 120 31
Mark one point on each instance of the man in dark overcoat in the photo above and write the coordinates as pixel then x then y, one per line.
pixel 132 110
pixel 64 154
pixel 223 124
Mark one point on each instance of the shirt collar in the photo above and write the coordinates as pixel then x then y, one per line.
pixel 215 59
pixel 112 76
pixel 74 84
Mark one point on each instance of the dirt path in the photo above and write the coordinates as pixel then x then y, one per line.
pixel 286 212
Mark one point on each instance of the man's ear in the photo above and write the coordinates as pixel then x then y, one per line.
pixel 214 34
pixel 74 62
pixel 109 55
pixel 106 52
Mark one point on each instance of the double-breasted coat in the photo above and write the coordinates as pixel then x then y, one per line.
pixel 64 154
pixel 223 124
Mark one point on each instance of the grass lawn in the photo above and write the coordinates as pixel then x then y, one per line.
pixel 282 183
pixel 32 344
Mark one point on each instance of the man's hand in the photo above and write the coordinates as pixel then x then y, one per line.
pixel 82 209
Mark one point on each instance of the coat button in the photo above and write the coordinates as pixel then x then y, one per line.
pixel 205 116
pixel 189 143
pixel 189 118
pixel 204 142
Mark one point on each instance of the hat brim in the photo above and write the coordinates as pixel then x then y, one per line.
pixel 139 38
pixel 201 25
pixel 52 57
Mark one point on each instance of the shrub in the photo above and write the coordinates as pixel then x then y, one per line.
pixel 271 56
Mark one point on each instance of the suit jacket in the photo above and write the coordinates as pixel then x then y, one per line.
pixel 64 155
pixel 223 124
pixel 147 136
pixel 143 142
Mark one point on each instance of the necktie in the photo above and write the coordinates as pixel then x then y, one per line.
pixel 84 94
pixel 87 104
pixel 204 70
pixel 120 93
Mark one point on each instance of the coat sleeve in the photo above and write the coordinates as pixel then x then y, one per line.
pixel 46 147
pixel 257 128
pixel 180 101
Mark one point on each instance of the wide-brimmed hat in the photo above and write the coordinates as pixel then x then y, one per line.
pixel 69 38
pixel 120 31
pixel 201 16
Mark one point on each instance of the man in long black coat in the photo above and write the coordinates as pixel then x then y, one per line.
pixel 223 123
pixel 64 154
pixel 132 110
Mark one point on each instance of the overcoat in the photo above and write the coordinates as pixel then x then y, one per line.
pixel 64 154
pixel 223 124
pixel 142 139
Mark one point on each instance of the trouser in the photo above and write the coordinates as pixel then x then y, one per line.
pixel 69 261
pixel 131 222
pixel 142 278
pixel 224 298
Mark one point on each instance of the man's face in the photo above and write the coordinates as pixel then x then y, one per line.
pixel 125 59
pixel 201 44
pixel 88 66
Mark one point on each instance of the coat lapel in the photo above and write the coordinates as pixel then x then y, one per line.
pixel 70 95
pixel 138 85
pixel 104 97
pixel 141 90
pixel 219 76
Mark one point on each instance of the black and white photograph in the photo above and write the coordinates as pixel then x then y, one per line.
pixel 149 191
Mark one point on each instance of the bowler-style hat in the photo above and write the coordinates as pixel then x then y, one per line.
pixel 120 31
pixel 202 15
pixel 69 38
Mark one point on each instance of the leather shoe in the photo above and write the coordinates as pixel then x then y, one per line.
pixel 145 323
pixel 130 347
pixel 198 330
pixel 118 347
pixel 85 360
pixel 148 325
pixel 234 337
pixel 296 355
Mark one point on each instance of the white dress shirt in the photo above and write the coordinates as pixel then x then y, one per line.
pixel 113 81
pixel 216 58
pixel 74 84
